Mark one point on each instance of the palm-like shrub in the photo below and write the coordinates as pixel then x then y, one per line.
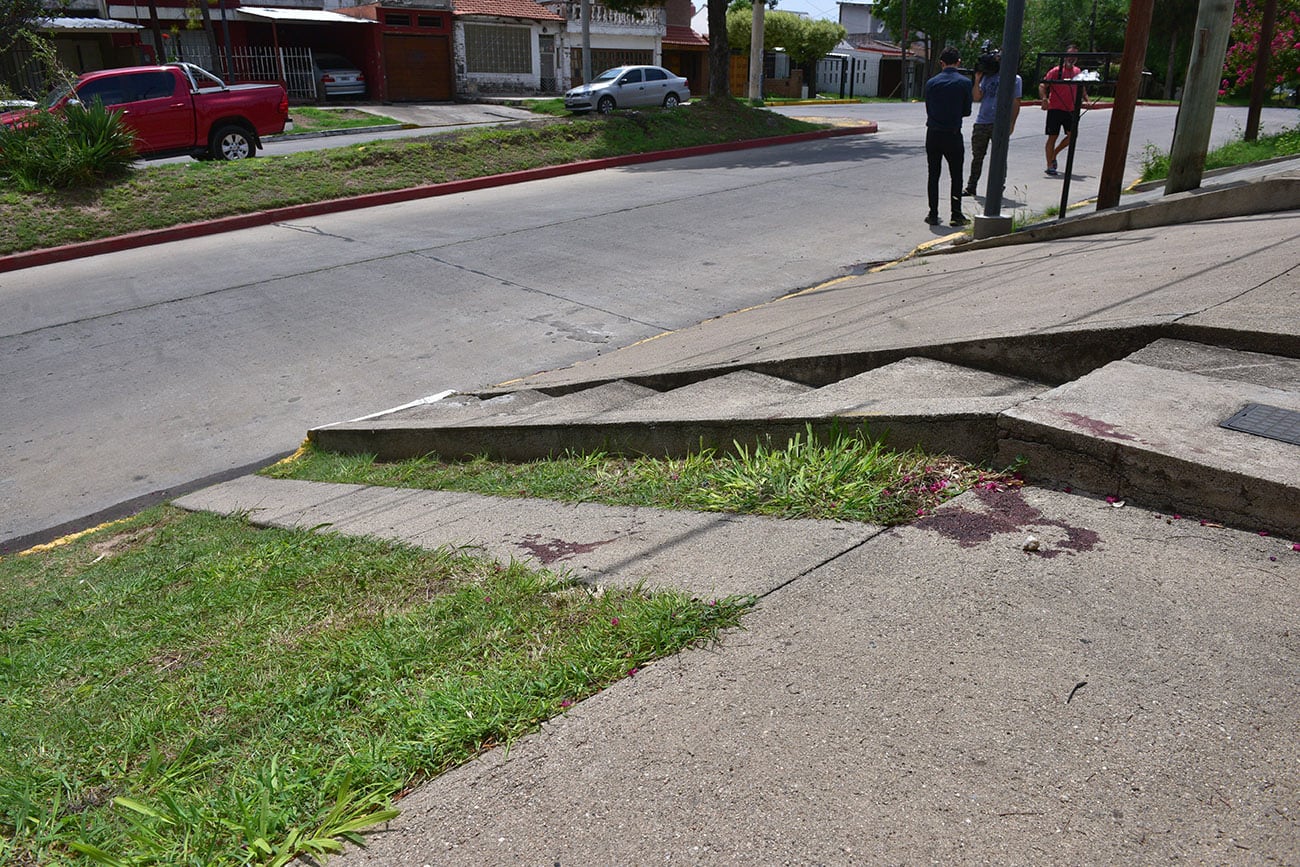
pixel 77 146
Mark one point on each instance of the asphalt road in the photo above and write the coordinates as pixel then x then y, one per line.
pixel 130 377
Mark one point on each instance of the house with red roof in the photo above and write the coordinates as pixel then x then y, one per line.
pixel 408 50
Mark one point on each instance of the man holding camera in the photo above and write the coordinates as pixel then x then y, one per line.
pixel 986 94
pixel 947 102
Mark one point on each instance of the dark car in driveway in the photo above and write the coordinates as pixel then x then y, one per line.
pixel 627 87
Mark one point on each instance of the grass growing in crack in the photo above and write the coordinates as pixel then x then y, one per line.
pixel 165 195
pixel 844 477
pixel 188 689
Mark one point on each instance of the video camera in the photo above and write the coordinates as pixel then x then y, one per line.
pixel 990 59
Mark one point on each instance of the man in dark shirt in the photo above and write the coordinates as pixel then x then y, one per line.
pixel 947 100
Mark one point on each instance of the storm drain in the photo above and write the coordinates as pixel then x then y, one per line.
pixel 1263 420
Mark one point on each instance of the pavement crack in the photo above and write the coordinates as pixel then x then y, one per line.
pixel 813 568
pixel 313 230
pixel 532 289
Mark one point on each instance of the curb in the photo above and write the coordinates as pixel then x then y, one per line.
pixel 327 133
pixel 68 252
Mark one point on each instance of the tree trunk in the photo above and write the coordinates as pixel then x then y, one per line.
pixel 1169 65
pixel 1263 54
pixel 719 52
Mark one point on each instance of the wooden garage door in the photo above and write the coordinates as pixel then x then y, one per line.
pixel 418 66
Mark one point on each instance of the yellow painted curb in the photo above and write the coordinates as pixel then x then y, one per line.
pixel 69 539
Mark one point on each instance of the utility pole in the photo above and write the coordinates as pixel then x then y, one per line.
pixel 1200 92
pixel 1259 87
pixel 1126 92
pixel 585 12
pixel 756 53
pixel 902 66
pixel 991 222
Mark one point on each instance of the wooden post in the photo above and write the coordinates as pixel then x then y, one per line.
pixel 1126 92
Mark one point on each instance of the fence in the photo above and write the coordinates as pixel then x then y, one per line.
pixel 291 65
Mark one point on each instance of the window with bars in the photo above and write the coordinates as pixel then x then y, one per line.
pixel 498 48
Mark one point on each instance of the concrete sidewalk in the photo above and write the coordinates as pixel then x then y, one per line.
pixel 1123 694
pixel 1121 690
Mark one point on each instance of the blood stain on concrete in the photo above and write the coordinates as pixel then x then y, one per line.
pixel 1096 427
pixel 1007 513
pixel 553 550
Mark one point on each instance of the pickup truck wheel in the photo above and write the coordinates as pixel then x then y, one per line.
pixel 232 143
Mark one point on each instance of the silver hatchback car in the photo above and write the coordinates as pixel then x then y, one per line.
pixel 628 86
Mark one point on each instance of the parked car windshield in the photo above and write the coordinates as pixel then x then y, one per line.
pixel 608 75
pixel 54 96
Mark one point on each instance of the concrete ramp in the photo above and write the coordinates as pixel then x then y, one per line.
pixel 1148 428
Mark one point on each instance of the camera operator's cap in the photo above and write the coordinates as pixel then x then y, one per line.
pixel 949 55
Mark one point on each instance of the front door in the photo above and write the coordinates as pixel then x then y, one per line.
pixel 546 48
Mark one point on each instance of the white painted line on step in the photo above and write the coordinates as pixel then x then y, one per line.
pixel 424 401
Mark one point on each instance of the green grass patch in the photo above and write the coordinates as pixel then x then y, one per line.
pixel 164 195
pixel 843 477
pixel 188 689
pixel 1238 152
pixel 308 119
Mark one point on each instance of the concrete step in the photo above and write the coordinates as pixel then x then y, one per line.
pixel 940 407
pixel 742 394
pixel 1147 429
pixel 574 407
pixel 915 386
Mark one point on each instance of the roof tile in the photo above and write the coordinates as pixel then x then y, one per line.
pixel 506 9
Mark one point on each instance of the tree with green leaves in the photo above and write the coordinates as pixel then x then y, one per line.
pixel 935 22
pixel 17 18
pixel 803 40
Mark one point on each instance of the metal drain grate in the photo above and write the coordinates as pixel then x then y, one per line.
pixel 1266 421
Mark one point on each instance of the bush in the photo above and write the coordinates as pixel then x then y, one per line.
pixel 75 147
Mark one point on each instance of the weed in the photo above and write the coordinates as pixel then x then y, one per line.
pixel 188 689
pixel 844 476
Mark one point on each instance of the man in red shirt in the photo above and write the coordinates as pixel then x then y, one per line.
pixel 1058 102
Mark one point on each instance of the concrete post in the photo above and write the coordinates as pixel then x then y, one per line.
pixel 991 222
pixel 1200 93
pixel 756 52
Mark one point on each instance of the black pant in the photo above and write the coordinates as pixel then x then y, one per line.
pixel 941 146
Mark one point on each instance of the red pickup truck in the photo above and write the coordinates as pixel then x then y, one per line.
pixel 179 108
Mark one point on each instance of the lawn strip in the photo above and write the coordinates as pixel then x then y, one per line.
pixel 190 689
pixel 160 196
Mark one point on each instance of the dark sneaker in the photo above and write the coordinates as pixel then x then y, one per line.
pixel 959 220
pixel 1051 167
pixel 933 219
pixel 969 192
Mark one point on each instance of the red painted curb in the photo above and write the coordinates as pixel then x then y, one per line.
pixel 67 252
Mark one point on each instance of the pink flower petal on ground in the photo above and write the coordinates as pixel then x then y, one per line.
pixel 613 622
